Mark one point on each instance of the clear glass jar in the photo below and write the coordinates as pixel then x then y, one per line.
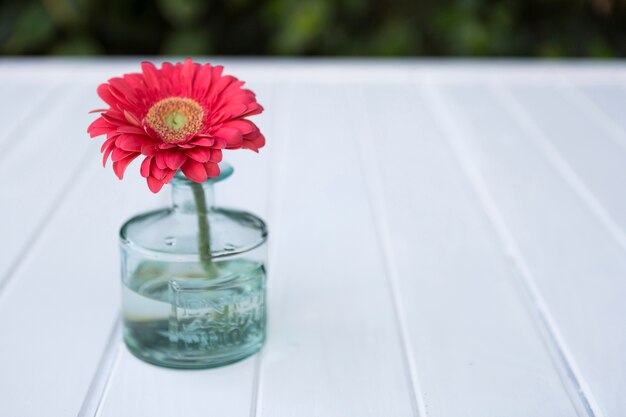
pixel 193 275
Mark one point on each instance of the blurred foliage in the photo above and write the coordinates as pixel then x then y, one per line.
pixel 591 28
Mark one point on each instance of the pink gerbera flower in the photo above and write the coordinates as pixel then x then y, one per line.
pixel 179 117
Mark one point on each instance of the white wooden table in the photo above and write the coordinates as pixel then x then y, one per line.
pixel 448 239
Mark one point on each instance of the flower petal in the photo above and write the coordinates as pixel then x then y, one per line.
pixel 119 154
pixel 154 184
pixel 148 149
pixel 242 125
pixel 202 80
pixel 105 95
pixel 109 142
pixel 199 154
pixel 131 129
pixel 252 109
pixel 115 118
pixel 121 85
pixel 166 145
pixel 158 173
pixel 120 166
pixel 159 158
pixel 186 76
pixel 185 145
pixel 106 153
pixel 216 155
pixel 233 137
pixel 131 118
pixel 254 141
pixel 231 111
pixel 131 142
pixel 194 170
pixel 219 143
pixel 174 160
pixel 221 83
pixel 145 167
pixel 212 170
pixel 150 75
pixel 169 176
pixel 203 141
pixel 99 127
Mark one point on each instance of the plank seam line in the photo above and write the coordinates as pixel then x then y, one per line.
pixel 101 380
pixel 565 365
pixel 256 382
pixel 24 122
pixel 379 216
pixel 590 108
pixel 56 206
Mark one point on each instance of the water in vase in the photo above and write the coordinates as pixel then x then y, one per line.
pixel 175 316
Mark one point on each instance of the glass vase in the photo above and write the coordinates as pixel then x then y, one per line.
pixel 193 280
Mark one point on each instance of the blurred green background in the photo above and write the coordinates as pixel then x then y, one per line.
pixel 552 28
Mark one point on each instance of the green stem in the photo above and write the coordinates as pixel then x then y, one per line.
pixel 204 231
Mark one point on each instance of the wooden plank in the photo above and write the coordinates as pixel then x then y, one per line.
pixel 609 100
pixel 37 169
pixel 22 107
pixel 472 337
pixel 576 264
pixel 137 388
pixel 334 345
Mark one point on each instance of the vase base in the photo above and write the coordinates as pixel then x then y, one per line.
pixel 182 362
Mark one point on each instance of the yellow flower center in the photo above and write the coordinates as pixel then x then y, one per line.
pixel 175 118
